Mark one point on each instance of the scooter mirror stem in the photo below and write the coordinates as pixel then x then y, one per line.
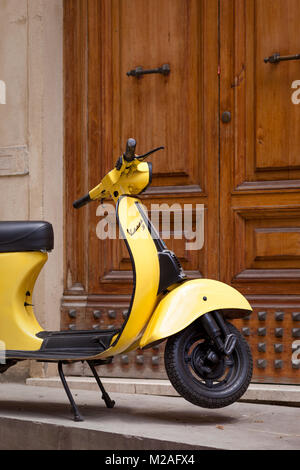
pixel 129 155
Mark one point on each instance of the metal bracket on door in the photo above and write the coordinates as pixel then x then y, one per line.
pixel 276 58
pixel 139 71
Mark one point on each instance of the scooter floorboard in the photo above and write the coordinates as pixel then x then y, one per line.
pixel 67 345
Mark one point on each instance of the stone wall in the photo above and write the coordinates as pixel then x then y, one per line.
pixel 31 139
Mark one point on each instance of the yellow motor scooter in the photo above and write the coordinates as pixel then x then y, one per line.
pixel 207 360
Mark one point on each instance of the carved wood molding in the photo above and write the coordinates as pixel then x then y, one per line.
pixel 271 235
pixel 268 275
pixel 293 184
pixel 291 301
pixel 174 190
pixel 267 211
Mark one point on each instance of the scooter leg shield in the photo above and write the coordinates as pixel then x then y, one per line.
pixel 189 301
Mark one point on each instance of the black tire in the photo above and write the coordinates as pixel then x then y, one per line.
pixel 227 381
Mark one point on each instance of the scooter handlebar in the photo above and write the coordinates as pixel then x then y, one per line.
pixel 129 155
pixel 103 189
pixel 82 201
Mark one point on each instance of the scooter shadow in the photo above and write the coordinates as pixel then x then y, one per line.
pixel 52 411
pixel 195 416
pixel 34 410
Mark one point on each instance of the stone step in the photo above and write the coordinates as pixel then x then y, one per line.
pixel 39 418
pixel 260 393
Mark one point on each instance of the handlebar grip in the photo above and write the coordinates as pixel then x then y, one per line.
pixel 130 150
pixel 82 201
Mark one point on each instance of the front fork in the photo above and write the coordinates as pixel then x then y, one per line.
pixel 215 326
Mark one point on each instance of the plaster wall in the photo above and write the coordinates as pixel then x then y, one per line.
pixel 31 140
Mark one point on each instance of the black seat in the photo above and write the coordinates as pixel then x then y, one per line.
pixel 26 236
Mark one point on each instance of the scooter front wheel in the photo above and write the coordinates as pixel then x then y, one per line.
pixel 203 376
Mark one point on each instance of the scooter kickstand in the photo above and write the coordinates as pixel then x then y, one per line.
pixel 109 403
pixel 77 415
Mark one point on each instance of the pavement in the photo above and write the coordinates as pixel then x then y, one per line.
pixel 256 393
pixel 34 417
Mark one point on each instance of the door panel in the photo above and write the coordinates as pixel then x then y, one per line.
pixel 179 111
pixel 259 177
pixel 265 150
pixel 140 33
pixel 161 110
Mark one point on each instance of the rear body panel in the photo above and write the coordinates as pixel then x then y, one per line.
pixel 18 324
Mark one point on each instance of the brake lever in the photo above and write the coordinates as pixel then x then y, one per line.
pixel 141 157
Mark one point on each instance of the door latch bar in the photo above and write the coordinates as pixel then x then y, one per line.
pixel 276 58
pixel 139 71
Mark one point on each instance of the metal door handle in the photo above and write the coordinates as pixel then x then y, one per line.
pixel 275 58
pixel 139 71
pixel 226 117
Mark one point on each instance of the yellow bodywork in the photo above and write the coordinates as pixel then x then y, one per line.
pixel 147 274
pixel 18 325
pixel 153 316
pixel 186 303
pixel 131 178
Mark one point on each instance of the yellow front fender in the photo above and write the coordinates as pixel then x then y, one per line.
pixel 191 300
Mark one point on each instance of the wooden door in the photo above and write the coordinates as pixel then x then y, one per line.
pixel 105 39
pixel 243 166
pixel 260 177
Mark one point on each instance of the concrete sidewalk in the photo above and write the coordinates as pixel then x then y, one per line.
pixel 256 393
pixel 33 417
